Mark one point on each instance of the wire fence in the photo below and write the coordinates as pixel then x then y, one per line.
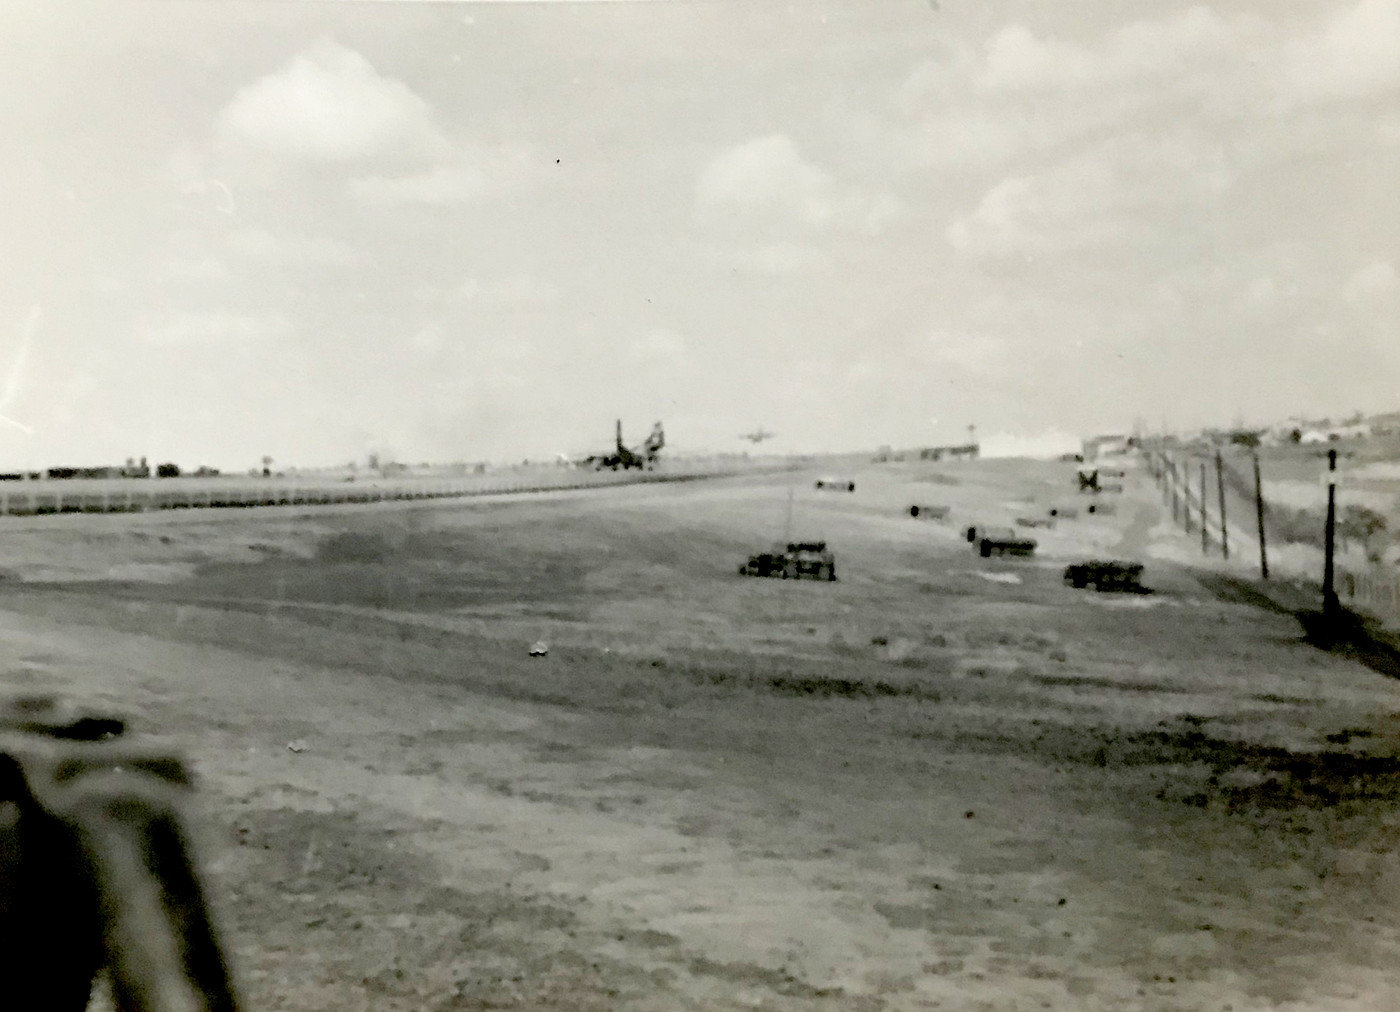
pixel 1220 498
pixel 1374 590
pixel 118 495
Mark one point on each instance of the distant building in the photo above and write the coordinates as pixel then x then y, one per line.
pixel 1107 446
pixel 83 472
pixel 968 451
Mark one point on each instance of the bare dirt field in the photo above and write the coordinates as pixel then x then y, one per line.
pixel 941 782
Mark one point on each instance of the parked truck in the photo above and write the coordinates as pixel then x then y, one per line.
pixel 794 561
pixel 1105 575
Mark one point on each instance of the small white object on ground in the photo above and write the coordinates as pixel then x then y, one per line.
pixel 297 746
pixel 539 649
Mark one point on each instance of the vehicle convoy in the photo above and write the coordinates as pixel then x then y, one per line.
pixel 1105 574
pixel 793 561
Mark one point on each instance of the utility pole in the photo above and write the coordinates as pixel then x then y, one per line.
pixel 1330 605
pixel 787 526
pixel 1259 512
pixel 1205 531
pixel 1220 485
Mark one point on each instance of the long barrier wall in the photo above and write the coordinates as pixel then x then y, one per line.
pixel 137 495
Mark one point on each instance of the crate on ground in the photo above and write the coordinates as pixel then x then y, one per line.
pixel 925 512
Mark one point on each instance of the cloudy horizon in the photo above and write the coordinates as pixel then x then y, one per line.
pixel 486 230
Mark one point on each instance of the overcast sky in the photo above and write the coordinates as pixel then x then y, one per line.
pixel 469 231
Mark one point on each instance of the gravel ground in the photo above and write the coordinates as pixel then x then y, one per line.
pixel 942 782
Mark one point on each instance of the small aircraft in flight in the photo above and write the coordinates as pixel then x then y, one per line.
pixel 758 435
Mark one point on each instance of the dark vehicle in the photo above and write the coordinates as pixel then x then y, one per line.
pixel 929 512
pixel 836 484
pixel 1000 541
pixel 798 559
pixel 1106 575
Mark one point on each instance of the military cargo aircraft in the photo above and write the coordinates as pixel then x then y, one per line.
pixel 643 457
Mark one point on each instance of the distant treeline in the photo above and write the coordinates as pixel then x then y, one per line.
pixel 162 471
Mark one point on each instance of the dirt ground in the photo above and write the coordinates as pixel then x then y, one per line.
pixel 940 782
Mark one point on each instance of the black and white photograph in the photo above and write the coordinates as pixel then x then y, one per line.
pixel 699 505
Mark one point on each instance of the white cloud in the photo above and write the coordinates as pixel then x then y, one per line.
pixel 1175 48
pixel 437 187
pixel 428 338
pixel 1016 60
pixel 1021 93
pixel 777 258
pixel 1259 295
pixel 1356 54
pixel 215 327
pixel 976 354
pixel 659 346
pixel 1372 284
pixel 1129 186
pixel 768 178
pixel 206 268
pixel 287 249
pixel 514 290
pixel 330 105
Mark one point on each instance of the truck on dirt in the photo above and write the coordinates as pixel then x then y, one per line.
pixel 1000 541
pixel 929 512
pixel 1106 575
pixel 836 484
pixel 796 560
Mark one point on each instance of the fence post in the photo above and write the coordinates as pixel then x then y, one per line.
pixel 1186 494
pixel 1172 489
pixel 1259 513
pixel 1205 530
pixel 1220 486
pixel 1329 593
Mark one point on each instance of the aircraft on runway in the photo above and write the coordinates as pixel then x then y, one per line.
pixel 758 435
pixel 622 458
